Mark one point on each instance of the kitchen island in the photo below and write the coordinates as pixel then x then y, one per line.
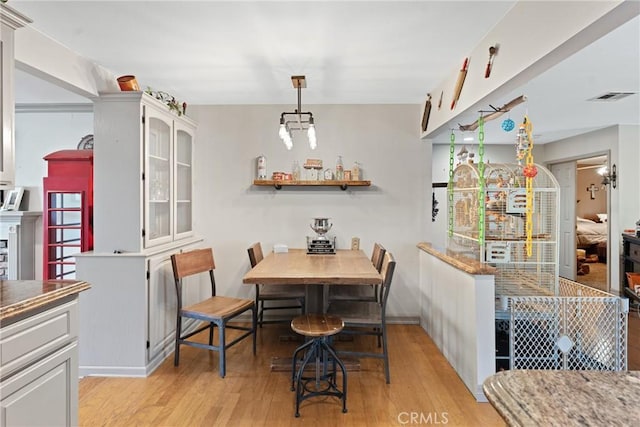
pixel 567 398
pixel 39 352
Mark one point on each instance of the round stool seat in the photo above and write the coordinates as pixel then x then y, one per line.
pixel 317 325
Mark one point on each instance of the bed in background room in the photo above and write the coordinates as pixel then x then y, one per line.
pixel 592 235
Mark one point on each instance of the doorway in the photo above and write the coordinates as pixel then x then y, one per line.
pixel 584 226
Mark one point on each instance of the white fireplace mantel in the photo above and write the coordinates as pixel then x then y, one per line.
pixel 17 244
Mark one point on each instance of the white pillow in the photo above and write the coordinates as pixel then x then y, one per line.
pixel 580 219
pixel 602 217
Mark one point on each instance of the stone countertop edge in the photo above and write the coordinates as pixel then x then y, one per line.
pixel 21 296
pixel 539 397
pixel 465 264
pixel 496 394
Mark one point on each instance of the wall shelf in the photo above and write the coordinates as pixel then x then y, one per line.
pixel 278 184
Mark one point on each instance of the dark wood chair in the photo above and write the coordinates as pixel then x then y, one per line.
pixel 357 292
pixel 266 293
pixel 216 311
pixel 368 317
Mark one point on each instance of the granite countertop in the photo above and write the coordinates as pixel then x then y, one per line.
pixel 565 398
pixel 20 296
pixel 460 262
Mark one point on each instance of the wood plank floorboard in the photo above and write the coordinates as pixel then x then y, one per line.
pixel 193 394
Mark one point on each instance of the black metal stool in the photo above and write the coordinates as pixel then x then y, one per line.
pixel 320 328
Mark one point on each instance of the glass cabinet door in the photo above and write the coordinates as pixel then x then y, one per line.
pixel 158 179
pixel 183 172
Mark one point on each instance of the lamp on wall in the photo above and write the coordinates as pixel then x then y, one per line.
pixel 608 177
pixel 297 122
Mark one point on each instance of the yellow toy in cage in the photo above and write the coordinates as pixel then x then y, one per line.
pixel 524 150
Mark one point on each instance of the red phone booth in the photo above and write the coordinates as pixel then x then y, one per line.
pixel 67 211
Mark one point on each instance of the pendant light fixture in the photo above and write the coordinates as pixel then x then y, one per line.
pixel 297 120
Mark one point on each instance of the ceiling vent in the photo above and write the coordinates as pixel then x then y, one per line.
pixel 611 96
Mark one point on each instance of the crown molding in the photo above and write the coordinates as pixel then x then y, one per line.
pixel 54 108
pixel 12 17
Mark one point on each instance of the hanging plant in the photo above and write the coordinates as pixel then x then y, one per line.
pixel 168 99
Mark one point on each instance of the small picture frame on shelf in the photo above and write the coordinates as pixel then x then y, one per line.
pixel 13 199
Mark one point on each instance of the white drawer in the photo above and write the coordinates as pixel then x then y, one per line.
pixel 32 338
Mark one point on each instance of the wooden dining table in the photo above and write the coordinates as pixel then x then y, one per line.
pixel 316 271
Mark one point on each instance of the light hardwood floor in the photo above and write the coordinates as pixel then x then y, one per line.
pixel 423 385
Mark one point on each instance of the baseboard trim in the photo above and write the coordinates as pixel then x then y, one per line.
pixel 391 320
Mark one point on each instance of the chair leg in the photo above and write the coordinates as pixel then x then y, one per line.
pixel 176 354
pixel 222 344
pixel 261 313
pixel 385 353
pixel 254 328
pixel 211 333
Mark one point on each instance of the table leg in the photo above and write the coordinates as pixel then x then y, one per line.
pixel 315 296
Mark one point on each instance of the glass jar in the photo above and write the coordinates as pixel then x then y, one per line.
pixel 339 169
pixel 295 171
pixel 355 172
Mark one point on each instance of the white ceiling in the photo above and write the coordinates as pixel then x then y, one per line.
pixel 358 52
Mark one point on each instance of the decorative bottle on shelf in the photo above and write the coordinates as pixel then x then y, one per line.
pixel 355 172
pixel 339 169
pixel 295 171
pixel 262 167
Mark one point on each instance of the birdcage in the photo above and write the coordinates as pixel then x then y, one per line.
pixel 488 223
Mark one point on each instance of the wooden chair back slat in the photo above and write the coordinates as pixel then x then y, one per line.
pixel 388 267
pixel 192 262
pixel 255 254
pixel 377 255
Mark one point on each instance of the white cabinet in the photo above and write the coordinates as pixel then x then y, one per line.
pixel 128 317
pixel 40 369
pixel 162 305
pixel 143 157
pixel 10 20
pixel 142 173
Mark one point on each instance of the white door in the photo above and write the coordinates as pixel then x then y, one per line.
pixel 565 173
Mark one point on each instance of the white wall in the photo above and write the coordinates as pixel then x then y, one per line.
pixel 628 166
pixel 586 207
pixel 622 144
pixel 231 214
pixel 38 134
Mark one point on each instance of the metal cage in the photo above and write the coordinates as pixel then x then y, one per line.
pixel 542 321
pixel 500 240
